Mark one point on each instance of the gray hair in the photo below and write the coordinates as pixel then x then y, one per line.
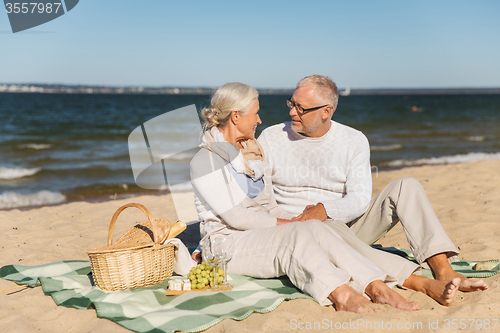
pixel 233 96
pixel 327 90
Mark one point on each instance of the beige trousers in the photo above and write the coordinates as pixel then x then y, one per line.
pixel 313 255
pixel 388 263
pixel 404 200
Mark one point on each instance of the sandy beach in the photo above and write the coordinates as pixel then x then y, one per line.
pixel 466 198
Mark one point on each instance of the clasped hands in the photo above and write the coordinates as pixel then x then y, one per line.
pixel 317 212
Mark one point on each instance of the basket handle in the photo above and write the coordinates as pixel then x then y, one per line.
pixel 121 209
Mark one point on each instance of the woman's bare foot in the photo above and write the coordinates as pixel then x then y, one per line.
pixel 344 298
pixel 443 272
pixel 441 291
pixel 380 293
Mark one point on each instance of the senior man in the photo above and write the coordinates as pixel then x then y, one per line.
pixel 317 160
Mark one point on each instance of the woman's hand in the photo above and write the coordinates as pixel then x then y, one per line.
pixel 284 221
pixel 197 256
pixel 308 207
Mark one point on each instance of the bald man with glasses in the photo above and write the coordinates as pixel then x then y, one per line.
pixel 321 169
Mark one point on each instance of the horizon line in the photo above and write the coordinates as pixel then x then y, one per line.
pixel 216 87
pixel 45 88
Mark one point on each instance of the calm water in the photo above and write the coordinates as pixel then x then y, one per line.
pixel 67 147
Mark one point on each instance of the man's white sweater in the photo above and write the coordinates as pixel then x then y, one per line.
pixel 333 170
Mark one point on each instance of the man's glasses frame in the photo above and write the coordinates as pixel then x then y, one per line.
pixel 291 104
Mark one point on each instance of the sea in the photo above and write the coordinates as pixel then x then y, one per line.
pixel 56 148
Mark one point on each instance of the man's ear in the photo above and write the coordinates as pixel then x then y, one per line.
pixel 327 112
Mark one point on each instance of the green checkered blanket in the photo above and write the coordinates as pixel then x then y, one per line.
pixel 149 310
pixel 464 267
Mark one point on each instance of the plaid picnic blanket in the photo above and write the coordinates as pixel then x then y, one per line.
pixel 148 310
pixel 464 267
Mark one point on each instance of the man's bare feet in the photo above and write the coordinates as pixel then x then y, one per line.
pixel 441 291
pixel 344 298
pixel 380 293
pixel 465 283
pixel 443 272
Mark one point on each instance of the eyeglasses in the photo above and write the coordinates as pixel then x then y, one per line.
pixel 291 104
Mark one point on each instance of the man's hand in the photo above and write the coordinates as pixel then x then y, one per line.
pixel 310 212
pixel 317 212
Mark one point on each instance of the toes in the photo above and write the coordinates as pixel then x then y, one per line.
pixel 469 285
pixel 479 284
pixel 365 309
pixel 451 289
pixel 413 306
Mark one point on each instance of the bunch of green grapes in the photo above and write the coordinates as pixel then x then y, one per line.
pixel 203 275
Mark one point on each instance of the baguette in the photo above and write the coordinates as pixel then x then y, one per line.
pixel 176 229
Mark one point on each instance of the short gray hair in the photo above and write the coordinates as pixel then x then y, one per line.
pixel 327 90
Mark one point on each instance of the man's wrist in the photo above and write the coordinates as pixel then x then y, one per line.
pixel 326 213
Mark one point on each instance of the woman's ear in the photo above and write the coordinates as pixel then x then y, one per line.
pixel 235 116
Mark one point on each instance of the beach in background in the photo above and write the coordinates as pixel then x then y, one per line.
pixel 56 148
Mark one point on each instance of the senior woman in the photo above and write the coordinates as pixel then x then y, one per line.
pixel 234 196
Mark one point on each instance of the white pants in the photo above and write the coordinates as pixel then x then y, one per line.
pixel 404 200
pixel 312 254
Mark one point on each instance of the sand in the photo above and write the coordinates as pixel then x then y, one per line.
pixel 466 198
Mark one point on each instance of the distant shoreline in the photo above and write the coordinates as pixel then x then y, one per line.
pixel 140 90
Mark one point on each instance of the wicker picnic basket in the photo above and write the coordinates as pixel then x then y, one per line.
pixel 137 259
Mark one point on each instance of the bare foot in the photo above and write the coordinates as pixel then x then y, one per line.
pixel 345 298
pixel 380 293
pixel 441 291
pixel 447 293
pixel 465 283
pixel 443 271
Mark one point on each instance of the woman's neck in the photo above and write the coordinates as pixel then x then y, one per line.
pixel 230 136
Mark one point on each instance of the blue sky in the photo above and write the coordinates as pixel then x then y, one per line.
pixel 268 44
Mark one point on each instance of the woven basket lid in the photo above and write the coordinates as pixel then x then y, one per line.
pixel 143 233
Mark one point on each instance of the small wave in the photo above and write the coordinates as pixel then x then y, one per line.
pixel 395 146
pixel 478 138
pixel 175 157
pixel 14 200
pixel 461 158
pixel 182 187
pixel 181 156
pixel 36 146
pixel 15 173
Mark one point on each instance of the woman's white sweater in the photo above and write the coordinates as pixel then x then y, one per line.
pixel 222 205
